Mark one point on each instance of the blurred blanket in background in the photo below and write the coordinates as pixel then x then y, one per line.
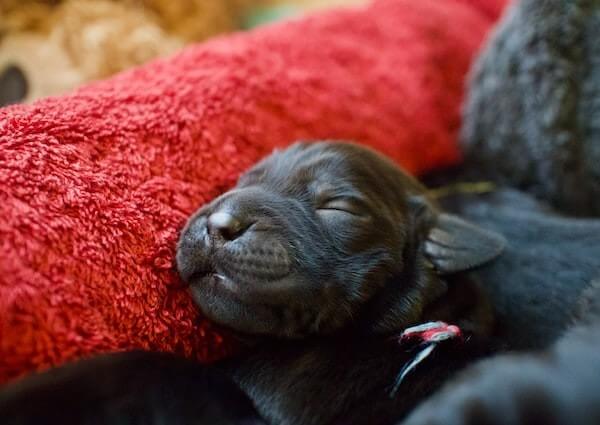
pixel 534 103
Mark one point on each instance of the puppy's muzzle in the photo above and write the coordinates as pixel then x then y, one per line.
pixel 237 238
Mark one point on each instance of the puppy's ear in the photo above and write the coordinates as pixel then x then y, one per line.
pixel 452 244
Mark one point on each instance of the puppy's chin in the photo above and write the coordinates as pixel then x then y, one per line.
pixel 221 300
pixel 273 309
pixel 243 307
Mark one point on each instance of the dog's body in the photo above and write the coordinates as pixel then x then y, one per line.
pixel 538 289
pixel 537 284
pixel 343 379
pixel 548 309
pixel 558 385
pixel 135 388
pixel 320 253
pixel 325 253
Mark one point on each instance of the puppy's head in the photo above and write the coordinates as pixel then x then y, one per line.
pixel 311 234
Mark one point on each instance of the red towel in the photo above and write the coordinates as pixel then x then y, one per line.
pixel 94 186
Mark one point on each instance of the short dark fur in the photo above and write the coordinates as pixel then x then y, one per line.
pixel 326 235
pixel 331 245
pixel 127 389
pixel 553 307
pixel 327 251
pixel 557 386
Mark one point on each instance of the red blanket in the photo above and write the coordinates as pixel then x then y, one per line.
pixel 94 186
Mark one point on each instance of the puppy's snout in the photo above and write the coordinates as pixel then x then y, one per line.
pixel 190 257
pixel 226 225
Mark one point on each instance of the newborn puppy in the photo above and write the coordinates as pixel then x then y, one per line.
pixel 321 257
pixel 321 236
pixel 324 258
pixel 326 251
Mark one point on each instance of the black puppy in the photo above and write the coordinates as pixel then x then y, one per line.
pixel 321 236
pixel 323 254
pixel 328 251
pixel 335 244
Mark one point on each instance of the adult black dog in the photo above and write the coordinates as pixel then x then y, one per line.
pixel 324 254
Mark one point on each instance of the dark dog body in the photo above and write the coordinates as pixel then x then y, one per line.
pixel 134 388
pixel 546 296
pixel 342 380
pixel 538 288
pixel 325 254
pixel 559 385
pixel 536 285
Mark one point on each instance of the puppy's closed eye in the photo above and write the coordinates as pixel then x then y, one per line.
pixel 342 205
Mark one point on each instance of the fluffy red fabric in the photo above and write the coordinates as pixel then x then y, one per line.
pixel 94 186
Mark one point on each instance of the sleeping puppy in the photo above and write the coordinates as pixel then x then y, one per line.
pixel 345 279
pixel 325 252
pixel 320 258
pixel 334 244
pixel 321 236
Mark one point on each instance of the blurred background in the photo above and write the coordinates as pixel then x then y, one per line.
pixel 48 47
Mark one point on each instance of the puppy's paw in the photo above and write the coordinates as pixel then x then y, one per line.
pixel 548 389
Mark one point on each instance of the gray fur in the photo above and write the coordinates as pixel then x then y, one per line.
pixel 534 102
pixel 556 258
pixel 559 385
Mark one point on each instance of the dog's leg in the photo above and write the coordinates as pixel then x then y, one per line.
pixel 127 388
pixel 558 386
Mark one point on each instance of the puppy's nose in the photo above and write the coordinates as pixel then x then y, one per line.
pixel 225 225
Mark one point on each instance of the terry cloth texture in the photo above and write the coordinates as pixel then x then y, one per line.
pixel 96 185
pixel 532 119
